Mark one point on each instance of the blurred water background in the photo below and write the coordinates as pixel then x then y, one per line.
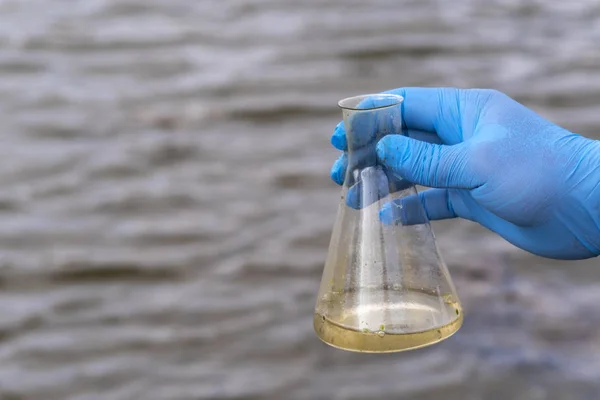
pixel 165 201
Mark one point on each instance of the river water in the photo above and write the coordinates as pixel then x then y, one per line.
pixel 165 202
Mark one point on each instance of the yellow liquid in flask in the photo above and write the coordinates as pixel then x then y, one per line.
pixel 406 320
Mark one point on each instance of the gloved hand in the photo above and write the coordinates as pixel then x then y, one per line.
pixel 491 160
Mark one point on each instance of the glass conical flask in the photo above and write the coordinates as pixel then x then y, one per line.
pixel 385 287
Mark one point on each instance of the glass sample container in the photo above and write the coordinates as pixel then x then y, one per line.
pixel 385 287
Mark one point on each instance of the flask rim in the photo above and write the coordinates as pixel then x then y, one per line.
pixel 351 103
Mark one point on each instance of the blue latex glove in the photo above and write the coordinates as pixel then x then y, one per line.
pixel 491 160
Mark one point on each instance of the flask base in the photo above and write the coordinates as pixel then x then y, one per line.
pixel 410 335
